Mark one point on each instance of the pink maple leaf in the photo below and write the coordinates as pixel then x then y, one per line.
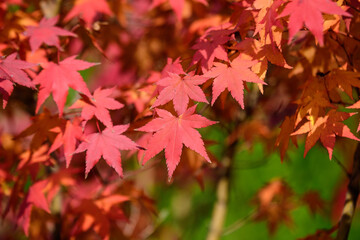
pixel 87 10
pixel 11 71
pixel 57 78
pixel 98 106
pixel 67 137
pixel 308 12
pixel 106 144
pixel 35 197
pixel 171 132
pixel 232 77
pixel 180 89
pixel 47 33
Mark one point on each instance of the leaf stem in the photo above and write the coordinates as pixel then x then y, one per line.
pixel 97 125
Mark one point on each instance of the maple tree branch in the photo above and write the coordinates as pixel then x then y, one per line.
pixel 351 198
pixel 222 194
pixel 220 206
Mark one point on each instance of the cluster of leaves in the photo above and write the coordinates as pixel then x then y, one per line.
pixel 305 63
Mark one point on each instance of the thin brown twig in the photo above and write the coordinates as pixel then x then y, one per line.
pixel 342 166
pixel 238 224
pixel 336 39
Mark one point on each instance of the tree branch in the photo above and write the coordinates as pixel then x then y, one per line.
pixel 351 198
pixel 220 207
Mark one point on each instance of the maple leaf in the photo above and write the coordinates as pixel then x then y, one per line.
pixel 268 16
pixel 314 201
pixel 11 70
pixel 210 47
pixel 326 129
pixel 312 17
pixel 67 137
pixel 47 33
pixel 314 101
pixel 274 204
pixel 171 132
pixel 180 89
pixel 6 88
pixel 98 106
pixel 106 144
pixel 41 193
pixel 35 197
pixel 344 80
pixel 172 67
pixel 139 97
pixel 232 77
pixel 41 129
pixel 87 10
pixel 282 141
pixel 273 55
pixel 356 106
pixel 97 215
pixel 57 78
pixel 29 157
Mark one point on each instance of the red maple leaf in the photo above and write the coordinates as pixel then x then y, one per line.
pixel 232 76
pixel 98 106
pixel 57 78
pixel 210 46
pixel 106 144
pixel 326 129
pixel 47 33
pixel 98 215
pixel 35 197
pixel 41 194
pixel 173 67
pixel 87 10
pixel 313 200
pixel 11 70
pixel 274 204
pixel 179 89
pixel 172 132
pixel 67 137
pixel 308 12
pixel 6 88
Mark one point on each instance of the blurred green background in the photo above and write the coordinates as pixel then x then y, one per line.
pixel 187 211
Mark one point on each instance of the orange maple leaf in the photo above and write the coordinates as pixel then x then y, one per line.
pixel 326 129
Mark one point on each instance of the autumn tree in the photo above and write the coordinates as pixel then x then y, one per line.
pixel 159 119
